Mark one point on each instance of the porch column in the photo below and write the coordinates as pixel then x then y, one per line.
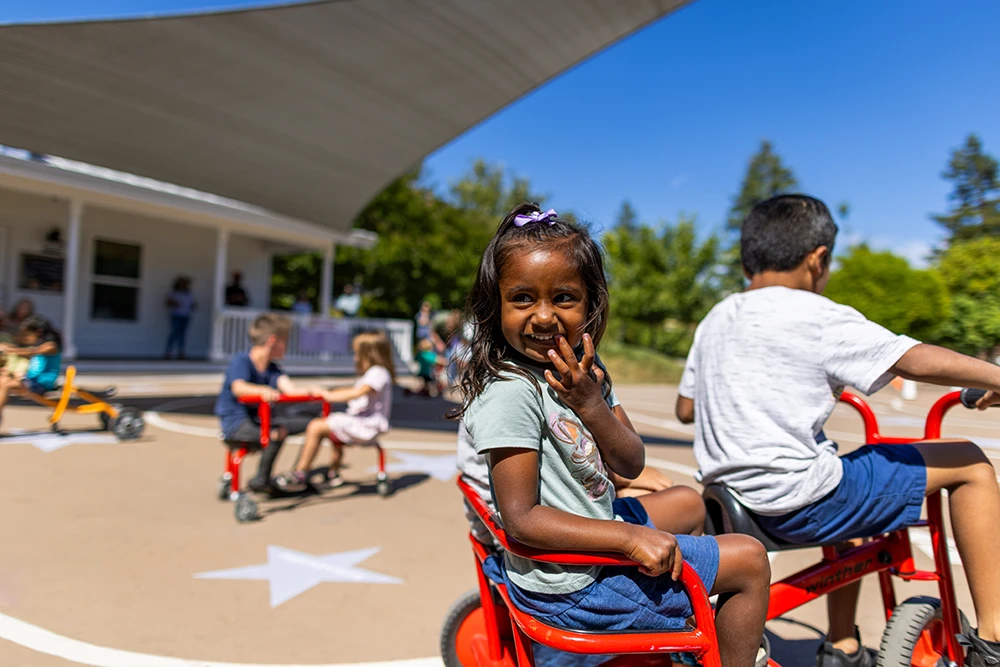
pixel 218 352
pixel 326 289
pixel 71 270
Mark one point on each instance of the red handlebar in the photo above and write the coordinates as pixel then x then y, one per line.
pixel 932 427
pixel 264 411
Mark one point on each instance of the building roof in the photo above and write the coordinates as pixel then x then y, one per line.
pixel 306 110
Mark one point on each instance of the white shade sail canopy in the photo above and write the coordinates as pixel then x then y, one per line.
pixel 307 110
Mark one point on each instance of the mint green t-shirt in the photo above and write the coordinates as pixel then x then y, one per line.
pixel 512 413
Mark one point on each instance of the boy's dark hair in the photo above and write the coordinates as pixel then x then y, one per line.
pixel 488 348
pixel 780 232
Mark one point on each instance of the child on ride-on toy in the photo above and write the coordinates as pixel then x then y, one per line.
pixel 255 373
pixel 541 410
pixel 764 374
pixel 41 344
pixel 369 406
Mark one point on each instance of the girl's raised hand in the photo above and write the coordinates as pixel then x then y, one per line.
pixel 581 383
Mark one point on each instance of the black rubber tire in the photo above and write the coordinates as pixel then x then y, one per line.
pixel 106 420
pixel 128 425
pixel 225 488
pixel 903 630
pixel 383 487
pixel 459 610
pixel 246 509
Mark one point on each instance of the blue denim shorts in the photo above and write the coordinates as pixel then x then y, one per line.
pixel 621 598
pixel 36 387
pixel 882 490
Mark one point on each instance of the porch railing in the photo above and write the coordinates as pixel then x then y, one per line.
pixel 324 340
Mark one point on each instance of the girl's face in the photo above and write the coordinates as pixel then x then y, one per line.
pixel 30 338
pixel 542 297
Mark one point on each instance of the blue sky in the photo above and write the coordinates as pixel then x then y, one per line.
pixel 864 100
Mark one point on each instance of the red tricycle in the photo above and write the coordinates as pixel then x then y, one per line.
pixel 483 628
pixel 229 484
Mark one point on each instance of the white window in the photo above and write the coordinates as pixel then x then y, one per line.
pixel 115 281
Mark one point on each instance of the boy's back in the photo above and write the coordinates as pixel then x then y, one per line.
pixel 765 370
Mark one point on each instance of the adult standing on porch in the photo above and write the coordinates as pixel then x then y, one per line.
pixel 181 304
pixel 235 294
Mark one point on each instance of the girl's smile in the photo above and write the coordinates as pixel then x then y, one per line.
pixel 543 298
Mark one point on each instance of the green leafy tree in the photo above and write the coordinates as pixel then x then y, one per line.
pixel 661 284
pixel 766 177
pixel 971 272
pixel 976 193
pixel 887 290
pixel 627 216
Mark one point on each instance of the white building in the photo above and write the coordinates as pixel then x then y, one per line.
pixel 122 242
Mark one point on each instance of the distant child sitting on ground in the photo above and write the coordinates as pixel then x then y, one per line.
pixel 255 373
pixel 764 375
pixel 369 404
pixel 42 346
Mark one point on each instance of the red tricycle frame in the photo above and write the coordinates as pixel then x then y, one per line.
pixel 507 628
pixel 499 637
pixel 246 509
pixel 887 555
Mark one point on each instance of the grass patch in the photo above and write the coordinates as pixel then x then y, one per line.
pixel 637 365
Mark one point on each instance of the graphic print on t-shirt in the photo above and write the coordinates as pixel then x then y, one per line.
pixel 589 471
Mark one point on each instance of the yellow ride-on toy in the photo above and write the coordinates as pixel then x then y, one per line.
pixel 125 423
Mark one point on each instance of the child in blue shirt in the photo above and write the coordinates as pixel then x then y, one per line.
pixel 42 345
pixel 255 373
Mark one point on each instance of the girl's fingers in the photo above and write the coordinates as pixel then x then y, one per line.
pixel 561 366
pixel 678 564
pixel 567 352
pixel 599 376
pixel 553 382
pixel 589 353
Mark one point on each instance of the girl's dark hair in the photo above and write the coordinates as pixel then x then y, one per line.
pixel 488 348
pixel 40 326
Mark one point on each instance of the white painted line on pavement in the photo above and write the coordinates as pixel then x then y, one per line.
pixel 44 641
pixel 670 465
pixel 922 540
pixel 159 421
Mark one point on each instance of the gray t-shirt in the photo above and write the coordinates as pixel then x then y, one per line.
pixel 512 413
pixel 765 372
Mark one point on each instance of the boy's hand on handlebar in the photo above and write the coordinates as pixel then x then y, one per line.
pixel 990 398
pixel 269 395
pixel 581 383
pixel 656 552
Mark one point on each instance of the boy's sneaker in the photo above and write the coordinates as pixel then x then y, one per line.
pixel 260 485
pixel 979 652
pixel 292 482
pixel 828 656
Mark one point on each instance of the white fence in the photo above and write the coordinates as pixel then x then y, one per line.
pixel 324 340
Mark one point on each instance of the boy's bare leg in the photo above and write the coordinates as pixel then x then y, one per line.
pixel 315 432
pixel 743 585
pixel 678 510
pixel 842 607
pixel 974 498
pixel 7 382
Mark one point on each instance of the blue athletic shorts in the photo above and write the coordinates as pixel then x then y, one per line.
pixel 882 490
pixel 622 598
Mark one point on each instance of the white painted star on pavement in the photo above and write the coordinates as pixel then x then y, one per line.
pixel 49 442
pixel 439 467
pixel 290 573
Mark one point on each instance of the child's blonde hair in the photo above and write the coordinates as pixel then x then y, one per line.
pixel 374 349
pixel 266 325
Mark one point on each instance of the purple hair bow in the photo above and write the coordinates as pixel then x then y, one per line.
pixel 548 216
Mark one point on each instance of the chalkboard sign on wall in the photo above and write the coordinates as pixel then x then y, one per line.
pixel 41 273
